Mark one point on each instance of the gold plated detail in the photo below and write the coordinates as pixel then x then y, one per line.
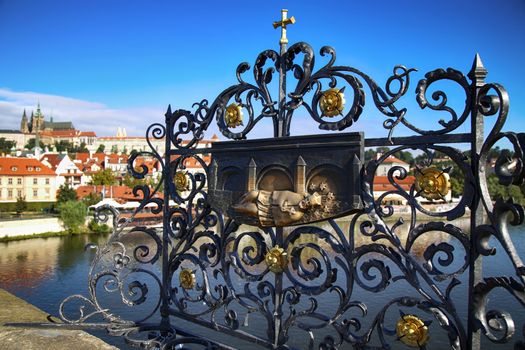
pixel 283 23
pixel 412 331
pixel 432 183
pixel 181 181
pixel 332 102
pixel 233 116
pixel 187 279
pixel 276 259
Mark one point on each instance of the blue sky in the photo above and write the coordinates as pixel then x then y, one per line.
pixel 104 64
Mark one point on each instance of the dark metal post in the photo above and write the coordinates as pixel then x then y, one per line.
pixel 164 308
pixel 477 75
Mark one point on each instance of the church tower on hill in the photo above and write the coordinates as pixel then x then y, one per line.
pixel 37 120
pixel 24 125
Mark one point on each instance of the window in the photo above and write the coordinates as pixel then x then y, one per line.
pixel 19 181
pixel 47 181
pixel 10 181
pixel 37 168
pixel 30 168
pixel 14 168
pixel 10 194
pixel 35 193
pixel 35 181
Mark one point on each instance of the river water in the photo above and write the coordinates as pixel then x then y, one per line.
pixel 45 271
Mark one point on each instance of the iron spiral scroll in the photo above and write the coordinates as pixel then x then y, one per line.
pixel 206 269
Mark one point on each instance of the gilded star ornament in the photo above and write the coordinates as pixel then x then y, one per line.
pixel 233 115
pixel 332 102
pixel 412 331
pixel 187 279
pixel 276 259
pixel 432 183
pixel 181 181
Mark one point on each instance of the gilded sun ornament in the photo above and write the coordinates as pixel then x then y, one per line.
pixel 412 331
pixel 181 181
pixel 332 102
pixel 432 183
pixel 276 259
pixel 187 279
pixel 233 115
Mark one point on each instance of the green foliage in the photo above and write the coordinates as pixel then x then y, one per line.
pixel 5 145
pixel 73 215
pixel 92 199
pixel 405 156
pixel 63 146
pixel 95 227
pixel 66 193
pixel 498 190
pixel 130 181
pixel 21 205
pixel 456 184
pixel 31 206
pixel 101 148
pixel 103 177
pixel 31 144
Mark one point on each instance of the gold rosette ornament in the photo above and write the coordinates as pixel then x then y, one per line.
pixel 181 181
pixel 412 331
pixel 432 183
pixel 233 115
pixel 276 259
pixel 332 102
pixel 187 279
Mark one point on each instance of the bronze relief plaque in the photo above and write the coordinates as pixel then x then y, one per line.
pixel 286 181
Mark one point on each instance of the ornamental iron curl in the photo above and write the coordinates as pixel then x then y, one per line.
pixel 205 268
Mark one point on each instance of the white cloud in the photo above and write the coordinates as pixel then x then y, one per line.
pixel 104 120
pixel 85 115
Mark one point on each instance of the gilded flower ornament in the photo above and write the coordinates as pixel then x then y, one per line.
pixel 332 102
pixel 233 115
pixel 432 183
pixel 187 279
pixel 276 259
pixel 181 181
pixel 412 331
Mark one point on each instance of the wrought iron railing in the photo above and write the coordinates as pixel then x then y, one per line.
pixel 207 267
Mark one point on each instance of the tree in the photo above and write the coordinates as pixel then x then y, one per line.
pixel 20 205
pixel 73 215
pixel 31 144
pixel 101 148
pixel 6 146
pixel 103 177
pixel 66 193
pixel 130 181
pixel 92 199
pixel 63 146
pixel 80 149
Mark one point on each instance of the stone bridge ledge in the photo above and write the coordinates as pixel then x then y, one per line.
pixel 16 310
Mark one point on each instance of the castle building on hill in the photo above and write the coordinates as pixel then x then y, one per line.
pixel 38 123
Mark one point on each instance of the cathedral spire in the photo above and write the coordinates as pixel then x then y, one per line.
pixel 24 126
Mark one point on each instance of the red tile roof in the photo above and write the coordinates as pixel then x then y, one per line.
pixel 392 159
pixel 88 133
pixel 381 183
pixel 23 167
pixel 84 156
pixel 118 192
pixel 53 159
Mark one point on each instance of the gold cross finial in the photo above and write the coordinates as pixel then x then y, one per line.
pixel 283 23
